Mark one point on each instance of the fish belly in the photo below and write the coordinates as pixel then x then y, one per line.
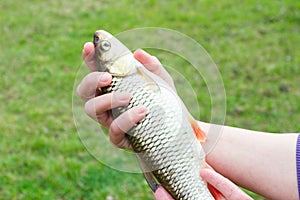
pixel 164 139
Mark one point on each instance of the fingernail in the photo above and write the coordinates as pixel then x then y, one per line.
pixel 105 77
pixel 85 45
pixel 140 110
pixel 123 96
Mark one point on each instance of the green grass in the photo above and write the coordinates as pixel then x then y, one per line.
pixel 255 44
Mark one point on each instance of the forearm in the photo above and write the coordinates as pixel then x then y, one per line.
pixel 261 162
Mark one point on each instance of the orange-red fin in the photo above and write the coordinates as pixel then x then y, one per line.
pixel 200 134
pixel 215 193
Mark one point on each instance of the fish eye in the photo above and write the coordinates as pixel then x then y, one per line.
pixel 105 45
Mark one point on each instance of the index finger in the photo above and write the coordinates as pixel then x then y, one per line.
pixel 91 82
pixel 152 64
pixel 224 185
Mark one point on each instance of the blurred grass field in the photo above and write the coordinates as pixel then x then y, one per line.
pixel 255 44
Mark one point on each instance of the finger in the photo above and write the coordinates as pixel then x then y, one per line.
pixel 88 55
pixel 153 65
pixel 150 62
pixel 97 107
pixel 91 82
pixel 123 124
pixel 224 185
pixel 162 194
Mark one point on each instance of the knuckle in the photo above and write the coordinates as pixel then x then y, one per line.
pixel 89 109
pixel 112 100
pixel 130 117
pixel 79 92
pixel 133 117
pixel 113 130
pixel 91 78
pixel 114 134
pixel 117 137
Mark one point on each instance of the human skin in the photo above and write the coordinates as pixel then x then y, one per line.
pixel 261 162
pixel 264 163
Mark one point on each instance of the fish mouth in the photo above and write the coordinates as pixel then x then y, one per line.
pixel 108 50
pixel 102 45
pixel 101 35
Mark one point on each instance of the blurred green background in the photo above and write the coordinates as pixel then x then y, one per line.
pixel 255 44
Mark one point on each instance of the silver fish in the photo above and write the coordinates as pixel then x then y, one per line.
pixel 164 141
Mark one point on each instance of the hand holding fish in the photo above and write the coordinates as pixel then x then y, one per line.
pixel 99 108
pixel 235 155
pixel 229 190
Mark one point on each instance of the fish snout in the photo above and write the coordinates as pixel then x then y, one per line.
pixel 96 37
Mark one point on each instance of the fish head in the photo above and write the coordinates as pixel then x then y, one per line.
pixel 112 55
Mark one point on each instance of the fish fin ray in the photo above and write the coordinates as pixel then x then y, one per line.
pixel 214 191
pixel 199 133
pixel 149 176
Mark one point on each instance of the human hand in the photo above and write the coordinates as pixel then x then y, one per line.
pixel 98 106
pixel 228 189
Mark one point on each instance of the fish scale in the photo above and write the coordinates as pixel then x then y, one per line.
pixel 164 140
pixel 170 165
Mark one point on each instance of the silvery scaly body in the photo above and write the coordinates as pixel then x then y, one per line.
pixel 164 140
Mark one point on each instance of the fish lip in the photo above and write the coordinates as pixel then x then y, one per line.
pixel 96 39
pixel 100 35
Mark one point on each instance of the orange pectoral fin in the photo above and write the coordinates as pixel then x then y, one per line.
pixel 215 193
pixel 200 134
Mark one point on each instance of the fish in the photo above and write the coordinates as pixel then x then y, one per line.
pixel 167 142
